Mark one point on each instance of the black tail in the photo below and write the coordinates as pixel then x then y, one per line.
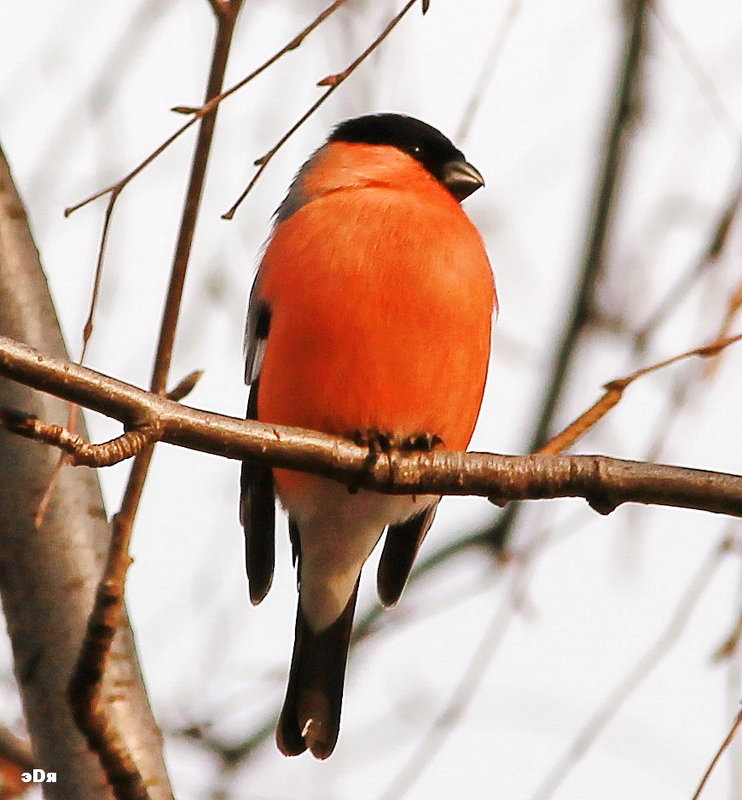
pixel 310 717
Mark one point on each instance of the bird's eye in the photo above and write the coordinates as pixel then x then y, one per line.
pixel 417 149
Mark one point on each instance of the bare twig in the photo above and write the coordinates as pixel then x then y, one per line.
pixel 715 760
pixel 730 645
pixel 51 486
pixel 494 53
pixel 206 109
pixel 614 393
pixel 332 82
pixel 734 306
pixel 604 482
pixel 88 327
pixel 87 333
pixel 607 188
pixel 108 612
pixel 185 386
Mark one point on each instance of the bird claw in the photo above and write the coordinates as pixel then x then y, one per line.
pixel 421 442
pixel 383 443
pixel 379 442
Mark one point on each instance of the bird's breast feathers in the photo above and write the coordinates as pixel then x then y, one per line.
pixel 387 324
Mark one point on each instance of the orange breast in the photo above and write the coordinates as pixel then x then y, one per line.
pixel 382 303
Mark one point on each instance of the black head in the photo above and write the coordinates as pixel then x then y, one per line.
pixel 421 141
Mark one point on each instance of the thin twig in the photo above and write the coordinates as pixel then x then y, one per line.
pixel 494 53
pixel 185 386
pixel 614 393
pixel 206 109
pixel 87 332
pixel 332 82
pixel 715 760
pixel 108 612
pixel 608 184
pixel 88 327
pixel 734 306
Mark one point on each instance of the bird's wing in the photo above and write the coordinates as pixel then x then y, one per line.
pixel 257 515
pixel 400 548
pixel 256 332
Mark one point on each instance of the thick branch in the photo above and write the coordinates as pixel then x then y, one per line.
pixel 604 482
pixel 48 573
pixel 108 613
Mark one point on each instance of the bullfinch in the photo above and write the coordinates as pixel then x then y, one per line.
pixel 369 318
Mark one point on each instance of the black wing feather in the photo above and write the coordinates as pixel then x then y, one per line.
pixel 257 515
pixel 400 548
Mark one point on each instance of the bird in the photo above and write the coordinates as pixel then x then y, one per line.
pixel 369 318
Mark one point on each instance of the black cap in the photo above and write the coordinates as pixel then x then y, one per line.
pixel 423 142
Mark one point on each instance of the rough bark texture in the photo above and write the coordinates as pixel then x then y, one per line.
pixel 48 576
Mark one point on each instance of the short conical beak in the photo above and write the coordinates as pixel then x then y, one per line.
pixel 461 178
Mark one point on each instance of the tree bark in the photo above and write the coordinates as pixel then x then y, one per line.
pixel 49 574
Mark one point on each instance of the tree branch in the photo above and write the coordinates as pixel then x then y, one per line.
pixel 49 570
pixel 86 684
pixel 332 82
pixel 604 482
pixel 608 185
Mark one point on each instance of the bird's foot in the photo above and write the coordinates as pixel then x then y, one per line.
pixel 384 443
pixel 421 442
pixel 377 441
